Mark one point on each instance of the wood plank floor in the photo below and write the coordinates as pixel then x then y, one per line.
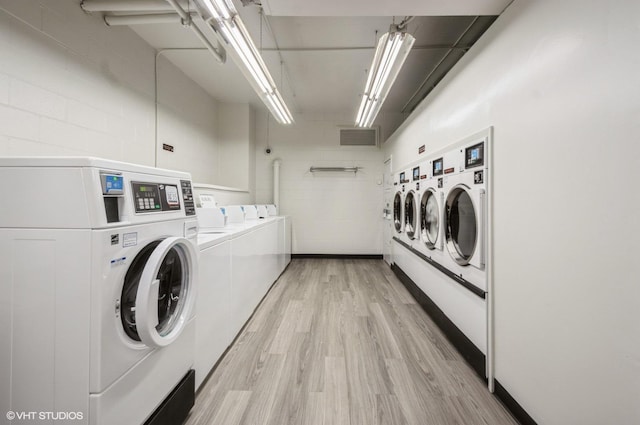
pixel 341 342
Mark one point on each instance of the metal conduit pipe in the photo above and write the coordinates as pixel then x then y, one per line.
pixel 186 20
pixel 276 183
pixel 127 5
pixel 156 18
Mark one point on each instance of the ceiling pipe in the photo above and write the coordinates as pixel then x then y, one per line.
pixel 127 5
pixel 218 53
pixel 346 48
pixel 156 18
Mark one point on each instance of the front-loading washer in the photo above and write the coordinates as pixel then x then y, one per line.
pixel 398 203
pixel 100 263
pixel 431 216
pixel 412 206
pixel 465 211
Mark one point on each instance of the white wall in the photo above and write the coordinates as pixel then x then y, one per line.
pixel 224 195
pixel 235 162
pixel 332 213
pixel 70 85
pixel 559 83
pixel 188 121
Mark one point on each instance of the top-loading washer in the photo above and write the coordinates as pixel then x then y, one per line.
pixel 465 211
pixel 100 263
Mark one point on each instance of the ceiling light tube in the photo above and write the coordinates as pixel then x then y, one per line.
pixel 283 107
pixel 391 52
pixel 277 113
pixel 224 18
pixel 233 37
pixel 279 109
pixel 220 9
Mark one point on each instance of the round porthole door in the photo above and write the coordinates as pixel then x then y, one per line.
pixel 410 214
pixel 429 219
pixel 158 294
pixel 461 225
pixel 397 212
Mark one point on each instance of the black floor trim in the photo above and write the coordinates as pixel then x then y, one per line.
pixel 340 256
pixel 175 408
pixel 469 351
pixel 465 283
pixel 516 410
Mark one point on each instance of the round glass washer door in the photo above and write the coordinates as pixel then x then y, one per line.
pixel 158 292
pixel 410 214
pixel 461 225
pixel 429 218
pixel 397 212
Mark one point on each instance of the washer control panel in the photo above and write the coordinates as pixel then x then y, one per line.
pixel 187 195
pixel 155 197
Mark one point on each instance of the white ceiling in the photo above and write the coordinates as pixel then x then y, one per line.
pixel 384 7
pixel 318 51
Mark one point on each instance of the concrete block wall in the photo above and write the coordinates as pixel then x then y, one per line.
pixel 70 85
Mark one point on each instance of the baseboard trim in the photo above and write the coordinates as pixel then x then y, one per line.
pixel 514 407
pixel 340 256
pixel 176 407
pixel 469 351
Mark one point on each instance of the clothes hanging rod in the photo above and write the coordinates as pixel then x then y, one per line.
pixel 338 169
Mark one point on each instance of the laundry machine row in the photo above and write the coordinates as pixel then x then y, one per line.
pixel 98 271
pixel 441 211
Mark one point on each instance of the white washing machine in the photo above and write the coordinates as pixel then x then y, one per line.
pixel 412 205
pixel 398 203
pixel 99 268
pixel 431 202
pixel 465 215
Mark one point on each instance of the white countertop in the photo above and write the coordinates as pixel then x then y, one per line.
pixel 208 237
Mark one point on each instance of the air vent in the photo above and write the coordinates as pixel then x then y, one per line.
pixel 358 137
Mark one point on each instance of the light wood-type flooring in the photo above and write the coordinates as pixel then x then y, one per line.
pixel 341 342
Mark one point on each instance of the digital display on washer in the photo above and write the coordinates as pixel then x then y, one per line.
pixel 155 197
pixel 112 184
pixel 416 173
pixel 402 177
pixel 437 167
pixel 474 155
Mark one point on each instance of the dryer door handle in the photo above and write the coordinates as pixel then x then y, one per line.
pixel 147 318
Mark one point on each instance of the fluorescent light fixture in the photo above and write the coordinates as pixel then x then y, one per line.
pixel 393 48
pixel 224 18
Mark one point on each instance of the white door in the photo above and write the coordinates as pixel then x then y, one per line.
pixel 158 294
pixel 430 219
pixel 465 225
